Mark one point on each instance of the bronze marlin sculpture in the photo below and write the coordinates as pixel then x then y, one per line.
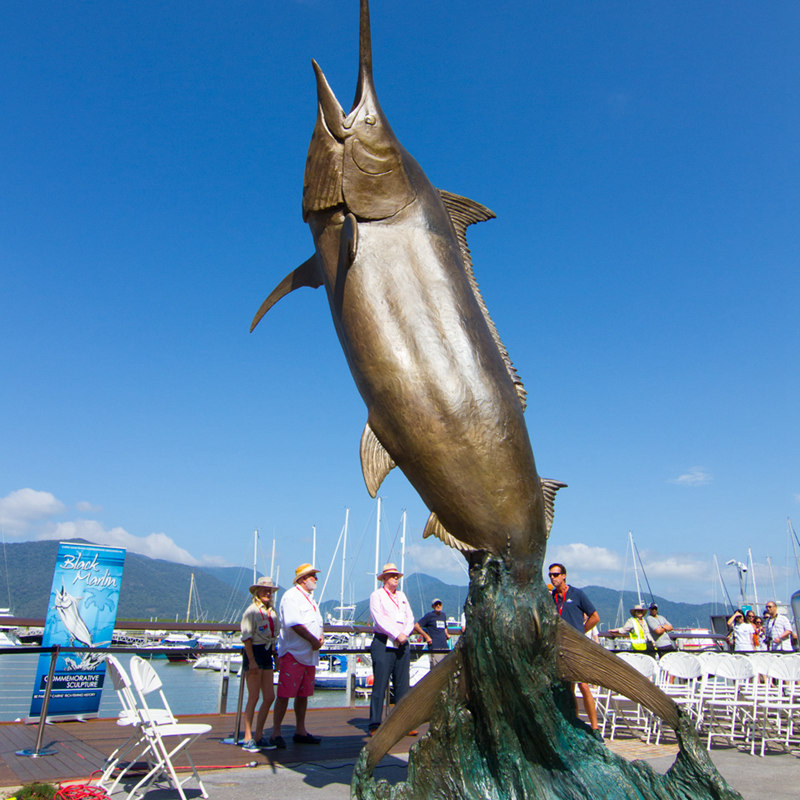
pixel 446 405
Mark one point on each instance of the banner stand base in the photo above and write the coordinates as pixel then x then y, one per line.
pixel 35 753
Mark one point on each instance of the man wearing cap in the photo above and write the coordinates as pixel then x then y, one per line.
pixel 638 630
pixel 660 628
pixel 299 642
pixel 433 627
pixel 393 622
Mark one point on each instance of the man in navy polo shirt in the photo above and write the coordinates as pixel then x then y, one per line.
pixel 575 608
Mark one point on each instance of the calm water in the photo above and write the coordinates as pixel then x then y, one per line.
pixel 189 691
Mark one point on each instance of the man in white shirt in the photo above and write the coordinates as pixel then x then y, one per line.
pixel 299 642
pixel 778 629
pixel 393 622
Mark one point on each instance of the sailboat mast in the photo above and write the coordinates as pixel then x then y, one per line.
pixel 272 562
pixel 344 559
pixel 191 592
pixel 635 569
pixel 753 576
pixel 771 577
pixel 403 549
pixel 793 537
pixel 255 555
pixel 313 545
pixel 377 545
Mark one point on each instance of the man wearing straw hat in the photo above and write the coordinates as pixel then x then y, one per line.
pixel 299 642
pixel 393 622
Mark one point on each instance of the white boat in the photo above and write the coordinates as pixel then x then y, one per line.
pixel 216 661
pixel 8 639
pixel 332 672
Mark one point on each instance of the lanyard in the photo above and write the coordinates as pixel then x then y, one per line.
pixel 389 595
pixel 560 606
pixel 308 598
pixel 269 619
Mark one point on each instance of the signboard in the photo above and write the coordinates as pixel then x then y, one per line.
pixel 81 614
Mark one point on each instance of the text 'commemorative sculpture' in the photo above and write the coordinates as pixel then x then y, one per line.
pixel 446 406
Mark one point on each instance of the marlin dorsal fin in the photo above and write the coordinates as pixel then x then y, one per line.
pixel 307 274
pixel 549 489
pixel 435 528
pixel 376 463
pixel 463 213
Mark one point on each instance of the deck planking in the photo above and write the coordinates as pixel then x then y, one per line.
pixel 81 747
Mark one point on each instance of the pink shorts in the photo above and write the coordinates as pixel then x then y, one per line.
pixel 296 679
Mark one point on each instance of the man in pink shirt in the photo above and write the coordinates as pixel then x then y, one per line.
pixel 393 622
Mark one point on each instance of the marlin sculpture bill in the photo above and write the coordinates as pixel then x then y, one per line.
pixel 446 406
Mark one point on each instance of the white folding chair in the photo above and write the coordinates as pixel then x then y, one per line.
pixel 679 677
pixel 136 745
pixel 776 706
pixel 617 710
pixel 727 708
pixel 165 739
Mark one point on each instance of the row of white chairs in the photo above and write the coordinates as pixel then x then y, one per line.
pixel 156 737
pixel 752 699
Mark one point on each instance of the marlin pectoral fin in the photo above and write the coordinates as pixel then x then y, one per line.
pixel 463 213
pixel 549 489
pixel 580 659
pixel 414 709
pixel 348 242
pixel 307 274
pixel 435 528
pixel 376 463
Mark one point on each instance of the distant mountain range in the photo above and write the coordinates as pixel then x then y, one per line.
pixel 151 588
pixel 154 589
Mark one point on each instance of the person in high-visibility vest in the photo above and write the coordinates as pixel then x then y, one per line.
pixel 638 631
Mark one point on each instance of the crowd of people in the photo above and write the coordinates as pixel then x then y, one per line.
pixel 751 633
pixel 289 639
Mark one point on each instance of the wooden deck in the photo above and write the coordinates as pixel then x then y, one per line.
pixel 81 747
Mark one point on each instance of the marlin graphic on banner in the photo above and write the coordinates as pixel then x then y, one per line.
pixel 81 613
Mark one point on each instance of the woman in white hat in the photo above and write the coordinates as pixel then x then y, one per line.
pixel 393 622
pixel 260 627
pixel 638 631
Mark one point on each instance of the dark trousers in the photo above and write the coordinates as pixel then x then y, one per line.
pixel 387 663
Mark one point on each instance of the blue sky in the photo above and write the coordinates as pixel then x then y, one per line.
pixel 644 165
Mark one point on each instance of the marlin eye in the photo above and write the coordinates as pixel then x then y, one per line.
pixel 369 119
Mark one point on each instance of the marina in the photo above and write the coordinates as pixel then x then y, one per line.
pixel 209 697
pixel 323 771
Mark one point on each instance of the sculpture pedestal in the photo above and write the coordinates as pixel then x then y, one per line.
pixel 505 727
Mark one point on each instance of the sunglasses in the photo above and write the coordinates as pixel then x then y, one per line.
pixel 554 574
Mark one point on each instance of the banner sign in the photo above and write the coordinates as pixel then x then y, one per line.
pixel 81 613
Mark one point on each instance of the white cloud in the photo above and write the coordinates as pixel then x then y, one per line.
pixel 154 545
pixel 20 509
pixel 696 476
pixel 582 557
pixel 438 560
pixel 676 567
pixel 85 507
